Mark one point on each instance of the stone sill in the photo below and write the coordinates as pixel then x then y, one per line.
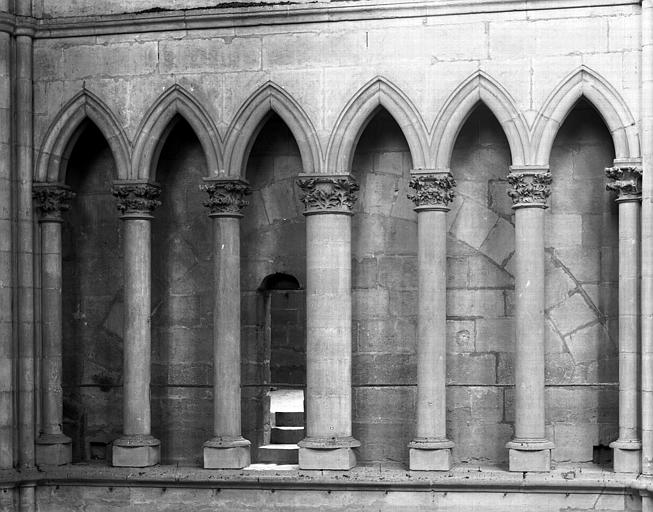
pixel 572 479
pixel 256 13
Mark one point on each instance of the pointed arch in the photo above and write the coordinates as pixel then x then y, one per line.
pixel 586 83
pixel 479 87
pixel 68 126
pixel 250 118
pixel 159 121
pixel 359 111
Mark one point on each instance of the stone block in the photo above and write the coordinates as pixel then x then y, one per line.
pixel 473 223
pixel 84 61
pixel 457 271
pixel 384 441
pixel 135 456
pixel 336 459
pixel 539 461
pixel 460 336
pixel 364 272
pixel 590 344
pixel 384 369
pixel 471 369
pixel 571 314
pixel 378 192
pixel 235 457
pixel 475 303
pixel 280 202
pixel 430 460
pixel 500 243
pixel 209 55
pixel 589 35
pixel 484 272
pixel 562 230
pixel 626 461
pixel 495 335
pixel 575 442
pixel 299 49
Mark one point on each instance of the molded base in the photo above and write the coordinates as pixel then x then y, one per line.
pixel 430 460
pixel 235 457
pixel 335 458
pixel 529 460
pixel 54 450
pixel 626 461
pixel 135 456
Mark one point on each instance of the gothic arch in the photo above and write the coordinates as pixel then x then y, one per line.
pixel 377 93
pixel 479 87
pixel 613 109
pixel 157 124
pixel 250 118
pixel 68 126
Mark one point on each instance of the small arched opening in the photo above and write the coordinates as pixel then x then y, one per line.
pixel 284 339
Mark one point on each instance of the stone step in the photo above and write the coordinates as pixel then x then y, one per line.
pixel 279 453
pixel 288 419
pixel 286 435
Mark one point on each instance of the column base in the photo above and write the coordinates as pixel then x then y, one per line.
pixel 227 453
pixel 627 456
pixel 53 450
pixel 333 453
pixel 529 455
pixel 135 452
pixel 430 455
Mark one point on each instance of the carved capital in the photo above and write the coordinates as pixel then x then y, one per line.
pixel 432 190
pixel 136 197
pixel 529 188
pixel 226 197
pixel 52 199
pixel 626 181
pixel 328 193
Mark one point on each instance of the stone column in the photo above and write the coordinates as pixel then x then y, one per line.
pixel 136 202
pixel 228 448
pixel 329 443
pixel 430 449
pixel 529 450
pixel 52 446
pixel 626 181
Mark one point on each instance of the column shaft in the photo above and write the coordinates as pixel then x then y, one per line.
pixel 137 340
pixel 329 442
pixel 529 323
pixel 137 447
pixel 227 449
pixel 529 450
pixel 328 326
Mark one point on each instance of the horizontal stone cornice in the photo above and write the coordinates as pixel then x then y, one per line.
pixel 287 13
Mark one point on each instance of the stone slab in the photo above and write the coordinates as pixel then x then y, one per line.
pixel 54 454
pixel 626 461
pixel 520 460
pixel 430 460
pixel 135 456
pixel 236 457
pixel 337 458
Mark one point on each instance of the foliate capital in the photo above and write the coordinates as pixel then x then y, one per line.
pixel 52 199
pixel 332 193
pixel 529 188
pixel 136 197
pixel 226 196
pixel 433 190
pixel 626 181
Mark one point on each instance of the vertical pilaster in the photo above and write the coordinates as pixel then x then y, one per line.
pixel 430 449
pixel 529 450
pixel 24 135
pixel 52 446
pixel 646 138
pixel 625 180
pixel 7 247
pixel 136 202
pixel 228 448
pixel 329 443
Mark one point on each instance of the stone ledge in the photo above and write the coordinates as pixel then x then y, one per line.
pixel 270 14
pixel 572 479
